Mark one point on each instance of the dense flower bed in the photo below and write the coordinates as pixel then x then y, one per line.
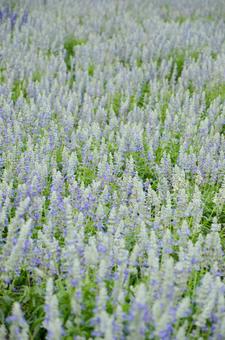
pixel 112 169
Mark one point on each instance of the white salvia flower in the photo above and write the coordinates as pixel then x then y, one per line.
pixel 15 222
pixel 168 277
pixel 137 324
pixel 80 222
pixel 76 304
pixel 102 297
pixel 39 273
pixel 105 195
pixel 118 331
pixel 18 328
pixel 76 270
pixel 219 329
pixel 215 226
pixel 120 249
pixel 17 253
pixel 137 194
pixel 100 213
pixel 91 253
pixel 198 178
pixel 157 310
pixel 4 210
pixel 143 236
pixel 117 294
pixel 163 324
pixel 134 256
pixel 220 310
pixel 181 332
pixel 213 248
pixel 207 309
pixel 163 187
pixel 202 296
pixel 184 233
pixel 183 308
pixel 219 198
pixel 195 206
pixel 154 199
pixel 103 268
pixel 107 325
pixel 141 294
pixel 112 220
pixel 103 319
pixel 52 322
pixel 3 332
pixel 181 203
pixel 167 242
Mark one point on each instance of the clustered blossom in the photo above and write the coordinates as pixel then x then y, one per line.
pixel 112 169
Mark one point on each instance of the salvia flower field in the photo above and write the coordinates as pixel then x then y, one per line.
pixel 112 169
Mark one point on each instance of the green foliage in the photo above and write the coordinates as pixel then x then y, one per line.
pixel 112 147
pixel 91 70
pixel 212 93
pixel 209 207
pixel 90 229
pixel 214 55
pixel 31 298
pixel 178 64
pixel 171 148
pixel 143 167
pixel 58 156
pixel 130 240
pixel 139 62
pixel 145 92
pixel 37 76
pixel 64 295
pixel 178 60
pixel 164 105
pixel 89 290
pixel 194 281
pixel 116 103
pixel 181 19
pixel 85 174
pixel 132 102
pixel 191 88
pixel 2 76
pixel 18 89
pixel 69 45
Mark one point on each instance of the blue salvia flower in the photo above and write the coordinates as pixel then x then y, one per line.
pixel 18 325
